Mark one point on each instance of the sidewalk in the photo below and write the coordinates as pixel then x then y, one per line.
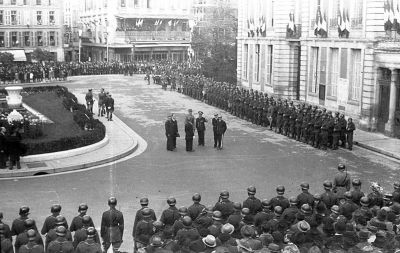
pixel 378 142
pixel 118 143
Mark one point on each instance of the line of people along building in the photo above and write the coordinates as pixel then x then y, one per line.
pixel 342 218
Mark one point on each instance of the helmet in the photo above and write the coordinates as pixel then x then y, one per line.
pixel 24 210
pixel 266 203
pixel 182 210
pixel 61 231
pixel 347 195
pixel 144 201
pixel 364 201
pixel 356 182
pixel 217 215
pixel 196 197
pixel 187 221
pixel 278 210
pixel 31 234
pixel 29 223
pixel 305 186
pixel 245 211
pixel 317 196
pixel 112 201
pixel 91 232
pixel 86 219
pixel 82 207
pixel 224 194
pixel 335 209
pixel 251 190
pixel 60 220
pixel 158 224
pixel 341 167
pixel 146 212
pixel 237 205
pixel 293 200
pixel 280 189
pixel 327 184
pixel 306 209
pixel 56 208
pixel 156 241
pixel 171 201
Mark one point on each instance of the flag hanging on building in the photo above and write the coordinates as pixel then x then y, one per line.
pixel 323 30
pixel 290 28
pixel 340 23
pixel 387 23
pixel 317 24
pixel 170 23
pixel 397 19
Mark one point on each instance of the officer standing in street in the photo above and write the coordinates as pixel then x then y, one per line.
pixel 220 130
pixel 50 221
pixel 201 127
pixel 18 225
pixel 89 100
pixel 214 124
pixel 341 182
pixel 112 226
pixel 189 134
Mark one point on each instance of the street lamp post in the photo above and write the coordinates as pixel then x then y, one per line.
pixel 106 33
pixel 80 43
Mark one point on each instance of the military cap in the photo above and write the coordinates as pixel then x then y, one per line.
pixel 224 194
pixel 293 200
pixel 251 190
pixel 278 210
pixel 182 210
pixel 364 201
pixel 266 203
pixel 220 116
pixel 340 227
pixel 200 112
pixel 171 201
pixel 91 232
pixel 190 110
pixel 29 223
pixel 61 231
pixel 112 201
pixel 356 182
pixel 395 208
pixel 217 215
pixel 280 189
pixel 144 201
pixel 341 166
pixel 305 186
pixel 196 197
pixel 60 220
pixel 327 184
pixel 82 206
pixel 24 210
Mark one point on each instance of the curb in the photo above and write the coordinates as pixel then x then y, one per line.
pixel 377 150
pixel 55 170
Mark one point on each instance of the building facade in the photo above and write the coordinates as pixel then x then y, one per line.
pixel 71 12
pixel 341 55
pixel 29 24
pixel 127 30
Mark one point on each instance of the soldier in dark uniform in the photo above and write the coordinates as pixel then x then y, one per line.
pixel 60 244
pixel 144 203
pixel 52 233
pixel 317 131
pixel 220 132
pixel 356 193
pixel 50 221
pixel 187 234
pixel 170 215
pixel 305 197
pixel 337 128
pixel 299 125
pixel 280 200
pixel 175 131
pixel 252 203
pixel 32 246
pixel 214 124
pixel 396 192
pixel 109 103
pixel 343 125
pixel 310 130
pixel 201 127
pixel 77 222
pixel 169 133
pixel 82 233
pixel 290 213
pixel 279 118
pixel 224 205
pixel 144 230
pixel 5 243
pixel 189 134
pixel 89 245
pixel 341 182
pixel 195 210
pixel 348 207
pixel 18 225
pixel 89 100
pixel 112 226
pixel 23 237
pixel 264 216
pixel 349 133
pixel 324 134
pixel 6 229
pixel 328 197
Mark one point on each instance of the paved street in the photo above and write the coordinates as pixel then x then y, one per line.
pixel 252 155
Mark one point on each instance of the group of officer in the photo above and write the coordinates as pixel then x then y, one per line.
pixel 342 218
pixel 105 103
pixel 303 122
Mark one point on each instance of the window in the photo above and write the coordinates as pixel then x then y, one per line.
pixel 39 38
pixel 313 70
pixel 333 11
pixel 25 2
pixel 26 37
pixel 2 37
pixel 39 17
pixel 148 4
pixel 38 2
pixel 333 72
pixel 14 18
pixel 355 75
pixel 123 4
pixel 49 2
pixel 245 60
pixel 52 38
pixel 136 3
pixel 343 63
pixel 322 66
pixel 257 63
pixel 14 39
pixel 1 1
pixel 1 17
pixel 13 2
pixel 357 13
pixel 268 68
pixel 52 19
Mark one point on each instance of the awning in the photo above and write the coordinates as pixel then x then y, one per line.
pixel 162 45
pixel 19 55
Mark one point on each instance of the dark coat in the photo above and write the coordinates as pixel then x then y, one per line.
pixel 221 127
pixel 189 130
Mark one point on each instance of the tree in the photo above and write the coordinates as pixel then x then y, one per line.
pixel 6 58
pixel 42 55
pixel 214 43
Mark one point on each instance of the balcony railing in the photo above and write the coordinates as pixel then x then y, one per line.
pixel 153 36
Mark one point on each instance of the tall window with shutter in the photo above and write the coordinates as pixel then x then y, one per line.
pixel 39 38
pixel 39 20
pixel 313 75
pixel 26 39
pixel 52 19
pixel 333 72
pixel 1 17
pixel 14 20
pixel 355 75
pixel 268 65
pixel 2 39
pixel 245 61
pixel 257 63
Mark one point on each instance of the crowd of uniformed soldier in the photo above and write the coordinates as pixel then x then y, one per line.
pixel 341 219
pixel 300 121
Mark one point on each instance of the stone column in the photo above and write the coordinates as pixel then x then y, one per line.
pixel 389 127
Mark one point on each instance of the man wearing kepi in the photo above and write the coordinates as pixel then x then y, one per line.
pixel 112 226
pixel 189 134
pixel 220 131
pixel 169 133
pixel 201 127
